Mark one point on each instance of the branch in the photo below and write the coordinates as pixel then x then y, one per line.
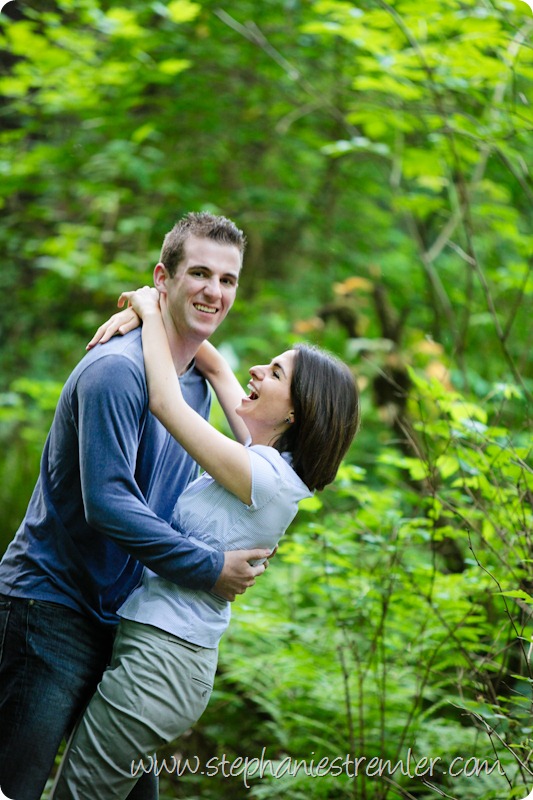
pixel 250 31
pixel 445 235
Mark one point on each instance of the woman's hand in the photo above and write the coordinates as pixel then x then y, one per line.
pixel 122 322
pixel 143 301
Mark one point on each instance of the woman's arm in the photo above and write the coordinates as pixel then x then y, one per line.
pixel 229 392
pixel 209 361
pixel 122 322
pixel 225 460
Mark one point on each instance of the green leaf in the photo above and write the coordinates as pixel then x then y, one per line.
pixel 518 593
pixel 181 11
pixel 310 504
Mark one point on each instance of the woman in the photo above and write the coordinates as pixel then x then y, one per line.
pixel 293 428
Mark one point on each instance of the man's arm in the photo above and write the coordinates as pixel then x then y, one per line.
pixel 111 410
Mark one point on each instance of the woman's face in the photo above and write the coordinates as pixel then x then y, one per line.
pixel 269 403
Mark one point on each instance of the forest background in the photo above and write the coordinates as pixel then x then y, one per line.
pixel 377 156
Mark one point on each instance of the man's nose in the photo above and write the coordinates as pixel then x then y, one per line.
pixel 212 288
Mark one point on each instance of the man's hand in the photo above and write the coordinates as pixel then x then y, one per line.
pixel 237 573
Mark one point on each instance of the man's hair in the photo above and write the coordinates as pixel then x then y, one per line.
pixel 326 407
pixel 203 225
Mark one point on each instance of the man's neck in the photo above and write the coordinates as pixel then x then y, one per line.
pixel 183 350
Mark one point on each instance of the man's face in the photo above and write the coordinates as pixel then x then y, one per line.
pixel 204 287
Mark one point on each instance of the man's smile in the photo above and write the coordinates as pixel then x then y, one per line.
pixel 204 308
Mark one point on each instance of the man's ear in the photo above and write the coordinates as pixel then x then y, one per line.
pixel 160 277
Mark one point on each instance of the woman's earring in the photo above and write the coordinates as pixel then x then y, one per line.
pixel 288 421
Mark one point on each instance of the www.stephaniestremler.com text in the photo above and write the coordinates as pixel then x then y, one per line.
pixel 351 766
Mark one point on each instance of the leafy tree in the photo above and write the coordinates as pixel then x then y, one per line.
pixel 377 157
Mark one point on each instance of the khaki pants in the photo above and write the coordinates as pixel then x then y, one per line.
pixel 156 687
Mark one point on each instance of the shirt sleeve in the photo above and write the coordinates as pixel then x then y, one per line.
pixel 111 401
pixel 268 475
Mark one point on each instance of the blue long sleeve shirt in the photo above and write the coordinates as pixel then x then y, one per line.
pixel 110 475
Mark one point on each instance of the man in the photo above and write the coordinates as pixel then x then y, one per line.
pixel 110 475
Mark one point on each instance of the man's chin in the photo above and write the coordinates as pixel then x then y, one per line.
pixel 204 331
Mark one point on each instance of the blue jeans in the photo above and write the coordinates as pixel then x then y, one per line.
pixel 51 659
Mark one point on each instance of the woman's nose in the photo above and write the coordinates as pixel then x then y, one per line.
pixel 257 372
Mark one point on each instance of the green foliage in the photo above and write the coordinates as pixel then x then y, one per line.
pixel 377 157
pixel 25 414
pixel 369 638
